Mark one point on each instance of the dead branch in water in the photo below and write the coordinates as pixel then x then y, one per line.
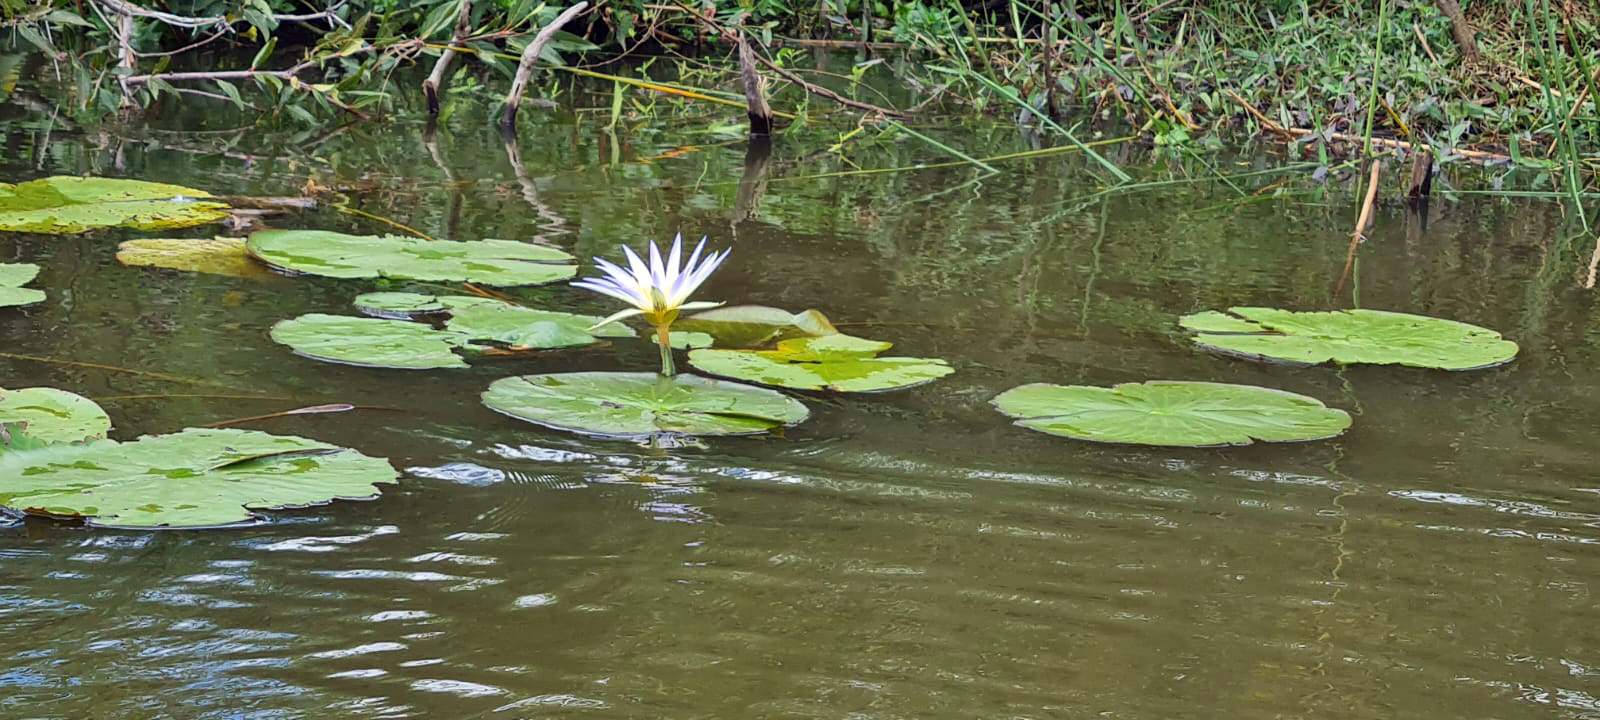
pixel 430 87
pixel 731 36
pixel 1362 221
pixel 529 55
pixel 755 96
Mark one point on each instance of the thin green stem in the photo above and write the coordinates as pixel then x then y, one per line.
pixel 663 338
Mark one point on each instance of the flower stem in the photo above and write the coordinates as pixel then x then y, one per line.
pixel 663 337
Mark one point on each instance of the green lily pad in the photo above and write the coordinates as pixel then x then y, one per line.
pixel 1350 336
pixel 482 319
pixel 1170 412
pixel 215 256
pixel 62 205
pixel 331 254
pixel 197 478
pixel 642 404
pixel 370 342
pixel 399 305
pixel 752 326
pixel 12 277
pixel 837 362
pixel 49 415
pixel 685 340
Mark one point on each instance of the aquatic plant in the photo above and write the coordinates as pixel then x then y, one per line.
pixel 658 291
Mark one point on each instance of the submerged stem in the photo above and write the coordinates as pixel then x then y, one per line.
pixel 662 338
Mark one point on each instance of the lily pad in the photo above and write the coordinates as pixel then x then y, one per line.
pixel 399 305
pixel 331 254
pixel 642 404
pixel 1170 412
pixel 215 256
pixel 12 277
pixel 49 415
pixel 197 478
pixel 837 362
pixel 752 326
pixel 370 342
pixel 62 205
pixel 482 319
pixel 1350 336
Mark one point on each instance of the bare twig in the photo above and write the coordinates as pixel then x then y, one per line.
pixel 1141 16
pixel 430 87
pixel 219 21
pixel 215 96
pixel 284 74
pixel 531 54
pixel 1362 222
pixel 1418 30
pixel 186 48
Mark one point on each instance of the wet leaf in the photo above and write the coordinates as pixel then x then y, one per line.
pixel 12 277
pixel 752 326
pixel 215 256
pixel 49 415
pixel 642 404
pixel 370 342
pixel 1350 336
pixel 837 362
pixel 192 479
pixel 1161 412
pixel 331 254
pixel 483 319
pixel 61 205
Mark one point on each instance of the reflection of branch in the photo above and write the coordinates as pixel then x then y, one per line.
pixel 752 184
pixel 430 140
pixel 529 55
pixel 554 223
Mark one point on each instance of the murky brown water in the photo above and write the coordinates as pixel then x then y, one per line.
pixel 899 555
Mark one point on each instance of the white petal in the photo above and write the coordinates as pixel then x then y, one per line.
pixel 641 272
pixel 658 272
pixel 701 305
pixel 605 288
pixel 613 317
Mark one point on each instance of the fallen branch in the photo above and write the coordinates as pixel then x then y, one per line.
pixel 529 55
pixel 1291 133
pixel 131 10
pixel 430 87
pixel 732 37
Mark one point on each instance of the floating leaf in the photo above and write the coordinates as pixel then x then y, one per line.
pixel 192 479
pixel 685 340
pixel 841 363
pixel 12 276
pixel 49 415
pixel 215 256
pixel 1169 412
pixel 399 305
pixel 370 342
pixel 491 262
pixel 642 404
pixel 1350 336
pixel 483 319
pixel 61 205
pixel 751 326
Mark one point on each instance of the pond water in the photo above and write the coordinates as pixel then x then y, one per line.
pixel 899 555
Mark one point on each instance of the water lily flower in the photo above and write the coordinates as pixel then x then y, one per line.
pixel 657 290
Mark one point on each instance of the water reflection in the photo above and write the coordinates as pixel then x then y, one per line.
pixel 899 555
